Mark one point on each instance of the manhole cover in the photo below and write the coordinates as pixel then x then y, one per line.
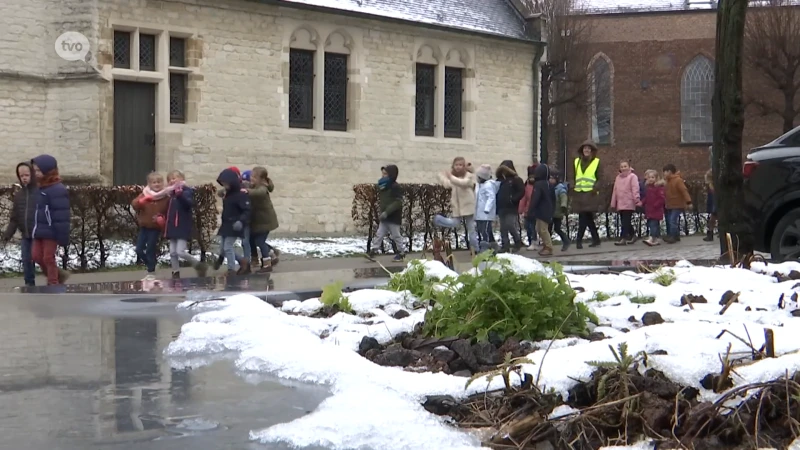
pixel 140 300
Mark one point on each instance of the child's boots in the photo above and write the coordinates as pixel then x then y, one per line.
pixel 266 265
pixel 244 266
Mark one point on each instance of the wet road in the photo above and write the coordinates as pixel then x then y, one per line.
pixel 86 371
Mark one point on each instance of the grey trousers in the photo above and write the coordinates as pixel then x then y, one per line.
pixel 177 252
pixel 392 230
pixel 509 224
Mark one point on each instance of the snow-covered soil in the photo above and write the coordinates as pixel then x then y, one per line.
pixel 379 407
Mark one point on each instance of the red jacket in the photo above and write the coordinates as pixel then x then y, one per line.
pixel 526 199
pixel 654 201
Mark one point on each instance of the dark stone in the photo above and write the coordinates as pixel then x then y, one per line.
pixel 725 297
pixel 632 319
pixel 625 330
pixel 458 365
pixel 655 412
pixel 795 313
pixel 495 339
pixel 401 314
pixel 711 381
pixel 748 309
pixel 443 355
pixel 652 318
pixel 486 354
pixel 441 405
pixel 401 336
pixel 509 346
pixel 794 275
pixel 596 336
pixel 691 298
pixel 367 344
pixel 397 356
pixel 580 396
pixel 372 353
pixel 658 352
pixel 463 373
pixel 408 343
pixel 464 350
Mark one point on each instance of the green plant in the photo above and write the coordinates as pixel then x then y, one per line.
pixel 664 277
pixel 504 370
pixel 332 296
pixel 534 306
pixel 414 280
pixel 599 297
pixel 619 369
pixel 639 298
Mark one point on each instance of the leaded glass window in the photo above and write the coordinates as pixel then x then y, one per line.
pixel 697 88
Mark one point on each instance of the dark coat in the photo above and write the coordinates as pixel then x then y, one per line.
pixel 23 214
pixel 542 203
pixel 390 197
pixel 587 202
pixel 180 218
pixel 235 205
pixel 263 218
pixel 510 191
pixel 52 216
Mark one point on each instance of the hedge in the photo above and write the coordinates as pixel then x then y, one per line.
pixel 422 201
pixel 102 215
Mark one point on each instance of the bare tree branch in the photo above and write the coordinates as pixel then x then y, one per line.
pixel 772 52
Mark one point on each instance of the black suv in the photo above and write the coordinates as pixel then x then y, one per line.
pixel 772 195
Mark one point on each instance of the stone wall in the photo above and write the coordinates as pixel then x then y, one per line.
pixel 242 91
pixel 648 52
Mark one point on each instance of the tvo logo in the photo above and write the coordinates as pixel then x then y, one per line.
pixel 72 46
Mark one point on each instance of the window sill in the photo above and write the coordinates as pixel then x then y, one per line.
pixel 179 69
pixel 441 140
pixel 321 133
pixel 134 75
pixel 695 144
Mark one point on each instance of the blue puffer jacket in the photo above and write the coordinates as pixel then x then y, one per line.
pixel 52 216
pixel 179 215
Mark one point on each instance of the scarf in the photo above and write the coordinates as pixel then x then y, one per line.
pixel 384 182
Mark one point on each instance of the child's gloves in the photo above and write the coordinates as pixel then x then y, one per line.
pixel 145 199
pixel 237 226
pixel 161 221
pixel 383 216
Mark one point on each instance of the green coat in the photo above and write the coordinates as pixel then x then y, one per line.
pixel 262 214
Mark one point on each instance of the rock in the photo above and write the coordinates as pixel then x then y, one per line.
pixel 509 346
pixel 486 354
pixel 443 354
pixel 655 412
pixel 396 356
pixel 795 313
pixel 441 405
pixel 632 319
pixel 691 298
pixel 367 344
pixel 625 330
pixel 463 373
pixel 711 381
pixel 658 352
pixel 652 318
pixel 794 275
pixel 596 336
pixel 459 365
pixel 580 396
pixel 401 314
pixel 401 336
pixel 748 309
pixel 464 350
pixel 725 297
pixel 372 353
pixel 495 339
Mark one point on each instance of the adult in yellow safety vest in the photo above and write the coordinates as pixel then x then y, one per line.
pixel 585 198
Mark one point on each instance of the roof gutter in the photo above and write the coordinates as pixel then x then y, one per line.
pixel 364 15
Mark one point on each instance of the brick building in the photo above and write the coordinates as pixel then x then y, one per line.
pixel 659 70
pixel 322 93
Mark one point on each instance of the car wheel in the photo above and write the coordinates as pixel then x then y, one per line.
pixel 785 244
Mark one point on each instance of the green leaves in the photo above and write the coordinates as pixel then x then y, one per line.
pixel 332 296
pixel 534 306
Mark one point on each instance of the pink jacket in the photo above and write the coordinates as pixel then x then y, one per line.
pixel 526 200
pixel 626 192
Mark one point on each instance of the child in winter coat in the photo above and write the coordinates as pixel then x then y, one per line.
pixel 711 206
pixel 677 201
pixel 510 191
pixel 625 199
pixel 541 208
pixel 530 224
pixel 23 218
pixel 263 218
pixel 653 203
pixel 390 197
pixel 51 219
pixel 178 229
pixel 561 207
pixel 485 205
pixel 151 208
pixel 221 192
pixel 235 217
pixel 462 199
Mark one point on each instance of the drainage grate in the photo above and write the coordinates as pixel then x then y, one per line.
pixel 140 300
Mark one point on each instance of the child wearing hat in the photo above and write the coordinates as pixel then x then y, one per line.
pixel 485 205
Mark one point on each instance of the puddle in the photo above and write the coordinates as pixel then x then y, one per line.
pixel 79 372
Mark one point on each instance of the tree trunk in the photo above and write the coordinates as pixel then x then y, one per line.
pixel 788 111
pixel 728 118
pixel 545 108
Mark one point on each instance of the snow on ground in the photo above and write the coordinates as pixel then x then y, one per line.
pixel 379 407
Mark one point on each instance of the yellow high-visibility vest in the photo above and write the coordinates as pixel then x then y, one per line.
pixel 584 181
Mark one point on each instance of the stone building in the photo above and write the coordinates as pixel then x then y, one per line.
pixel 655 72
pixel 321 92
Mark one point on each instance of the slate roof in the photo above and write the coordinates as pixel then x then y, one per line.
pixel 492 17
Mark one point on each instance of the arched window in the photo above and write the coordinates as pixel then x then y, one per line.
pixel 697 87
pixel 601 85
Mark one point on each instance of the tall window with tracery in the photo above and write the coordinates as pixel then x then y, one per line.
pixel 600 85
pixel 697 87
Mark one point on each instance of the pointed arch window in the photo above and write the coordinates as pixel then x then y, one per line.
pixel 697 87
pixel 601 84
